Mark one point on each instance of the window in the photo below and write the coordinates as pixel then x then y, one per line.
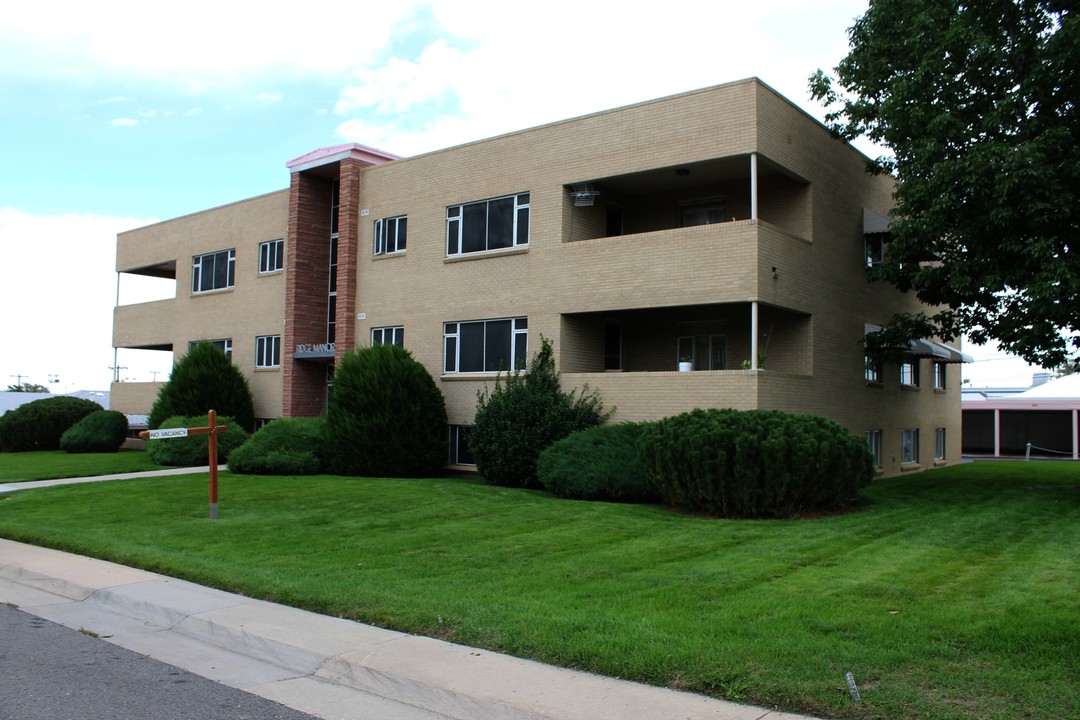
pixel 485 345
pixel 939 443
pixel 939 376
pixel 224 345
pixel 213 271
pixel 873 444
pixel 909 372
pixel 390 235
pixel 388 336
pixel 459 446
pixel 260 423
pixel 268 351
pixel 702 213
pixel 875 249
pixel 705 352
pixel 271 256
pixel 909 446
pixel 873 370
pixel 487 225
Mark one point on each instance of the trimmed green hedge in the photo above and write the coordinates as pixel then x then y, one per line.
pixel 757 463
pixel 599 463
pixel 286 446
pixel 386 418
pixel 194 450
pixel 38 425
pixel 98 432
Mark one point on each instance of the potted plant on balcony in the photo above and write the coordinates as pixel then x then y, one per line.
pixel 686 363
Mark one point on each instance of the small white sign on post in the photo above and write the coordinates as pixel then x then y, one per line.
pixel 168 433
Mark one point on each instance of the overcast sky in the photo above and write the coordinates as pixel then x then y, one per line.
pixel 117 114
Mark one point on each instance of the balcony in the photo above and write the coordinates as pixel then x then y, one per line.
pixel 146 326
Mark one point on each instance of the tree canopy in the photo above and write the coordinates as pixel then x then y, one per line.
pixel 977 104
pixel 27 387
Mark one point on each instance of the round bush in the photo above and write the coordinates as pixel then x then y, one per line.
pixel 38 425
pixel 757 463
pixel 99 432
pixel 599 463
pixel 203 380
pixel 194 450
pixel 386 417
pixel 286 446
pixel 524 415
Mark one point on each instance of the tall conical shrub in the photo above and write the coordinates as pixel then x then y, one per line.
pixel 201 381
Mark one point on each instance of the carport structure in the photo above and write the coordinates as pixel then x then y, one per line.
pixel 1045 416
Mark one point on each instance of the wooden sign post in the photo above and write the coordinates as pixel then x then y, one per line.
pixel 212 429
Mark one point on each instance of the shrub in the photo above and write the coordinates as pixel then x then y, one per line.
pixel 194 450
pixel 386 417
pixel 201 381
pixel 38 425
pixel 100 431
pixel 286 446
pixel 599 463
pixel 523 416
pixel 758 463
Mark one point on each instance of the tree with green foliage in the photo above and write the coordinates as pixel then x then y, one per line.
pixel 523 416
pixel 977 104
pixel 201 381
pixel 99 432
pixel 386 417
pixel 27 387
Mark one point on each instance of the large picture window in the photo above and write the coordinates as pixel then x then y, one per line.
pixel 268 351
pixel 487 225
pixel 485 345
pixel 222 344
pixel 271 256
pixel 213 271
pixel 390 235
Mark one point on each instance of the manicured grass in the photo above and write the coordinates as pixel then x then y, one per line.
pixel 948 594
pixel 50 464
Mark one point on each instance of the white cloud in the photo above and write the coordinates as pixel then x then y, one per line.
pixel 268 97
pixel 62 324
pixel 124 122
pixel 194 112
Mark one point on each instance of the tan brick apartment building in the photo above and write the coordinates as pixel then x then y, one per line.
pixel 723 227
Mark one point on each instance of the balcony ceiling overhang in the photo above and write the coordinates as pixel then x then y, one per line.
pixel 689 175
pixel 166 269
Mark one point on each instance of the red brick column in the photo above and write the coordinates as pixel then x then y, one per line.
pixel 348 249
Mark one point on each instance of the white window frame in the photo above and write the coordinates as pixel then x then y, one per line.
pixel 198 266
pixel 872 370
pixel 909 446
pixel 271 256
pixel 391 235
pixel 457 437
pixel 222 344
pixel 389 335
pixel 519 345
pixel 939 376
pixel 874 244
pixel 520 225
pixel 268 351
pixel 909 372
pixel 939 443
pixel 873 445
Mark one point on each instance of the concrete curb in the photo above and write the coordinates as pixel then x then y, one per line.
pixel 413 677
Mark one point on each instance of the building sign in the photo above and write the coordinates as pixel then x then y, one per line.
pixel 314 350
pixel 167 433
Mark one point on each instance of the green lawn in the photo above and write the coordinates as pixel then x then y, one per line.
pixel 50 464
pixel 948 594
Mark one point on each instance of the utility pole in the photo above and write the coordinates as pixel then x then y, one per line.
pixel 18 379
pixel 116 371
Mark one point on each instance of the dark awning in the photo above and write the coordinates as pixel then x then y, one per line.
pixel 929 349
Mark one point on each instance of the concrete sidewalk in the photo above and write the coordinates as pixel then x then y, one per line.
pixel 324 666
pixel 31 484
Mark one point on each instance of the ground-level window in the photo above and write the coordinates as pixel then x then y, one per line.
pixel 213 271
pixel 873 444
pixel 459 446
pixel 260 423
pixel 485 345
pixel 388 336
pixel 487 225
pixel 939 376
pixel 939 443
pixel 271 256
pixel 909 446
pixel 873 370
pixel 390 235
pixel 268 351
pixel 909 372
pixel 222 344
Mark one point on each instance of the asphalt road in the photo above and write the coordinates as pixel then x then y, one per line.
pixel 50 672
